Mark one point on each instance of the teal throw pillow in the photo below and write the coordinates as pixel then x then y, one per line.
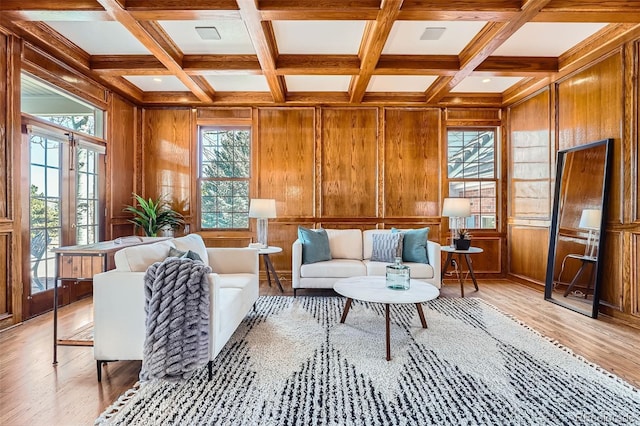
pixel 386 247
pixel 315 245
pixel 414 246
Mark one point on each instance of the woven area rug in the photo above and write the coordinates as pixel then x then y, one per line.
pixel 291 362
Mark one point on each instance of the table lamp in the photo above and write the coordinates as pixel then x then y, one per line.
pixel 262 209
pixel 591 219
pixel 456 208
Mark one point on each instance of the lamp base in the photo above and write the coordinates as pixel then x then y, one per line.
pixel 263 231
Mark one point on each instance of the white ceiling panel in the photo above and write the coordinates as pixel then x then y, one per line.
pixel 234 37
pixel 238 83
pixel 165 83
pixel 400 83
pixel 546 38
pixel 100 37
pixel 485 84
pixel 404 38
pixel 317 83
pixel 318 37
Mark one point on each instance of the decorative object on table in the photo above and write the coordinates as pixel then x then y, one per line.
pixel 463 239
pixel 153 216
pixel 262 209
pixel 591 220
pixel 515 376
pixel 456 209
pixel 398 275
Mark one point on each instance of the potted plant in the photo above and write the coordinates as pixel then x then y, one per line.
pixel 463 242
pixel 153 216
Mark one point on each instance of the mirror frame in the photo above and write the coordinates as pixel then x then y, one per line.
pixel 553 232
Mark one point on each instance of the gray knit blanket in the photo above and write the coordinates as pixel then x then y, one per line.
pixel 177 324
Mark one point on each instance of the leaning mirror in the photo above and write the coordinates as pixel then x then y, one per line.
pixel 575 258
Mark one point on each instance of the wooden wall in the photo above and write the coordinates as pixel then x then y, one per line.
pixel 594 103
pixel 336 167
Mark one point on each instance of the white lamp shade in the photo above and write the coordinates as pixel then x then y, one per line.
pixel 262 208
pixel 456 207
pixel 590 219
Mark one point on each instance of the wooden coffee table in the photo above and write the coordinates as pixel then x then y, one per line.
pixel 374 289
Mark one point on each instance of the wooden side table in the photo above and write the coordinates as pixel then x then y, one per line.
pixel 461 254
pixel 268 266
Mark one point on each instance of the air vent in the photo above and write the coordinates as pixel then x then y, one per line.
pixel 432 33
pixel 208 33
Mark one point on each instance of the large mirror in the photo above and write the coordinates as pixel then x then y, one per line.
pixel 575 258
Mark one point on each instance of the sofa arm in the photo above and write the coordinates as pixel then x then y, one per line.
pixel 433 253
pixel 296 263
pixel 233 260
pixel 118 315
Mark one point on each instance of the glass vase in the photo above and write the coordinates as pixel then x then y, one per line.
pixel 398 276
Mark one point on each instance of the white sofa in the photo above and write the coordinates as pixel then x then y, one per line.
pixel 118 296
pixel 351 256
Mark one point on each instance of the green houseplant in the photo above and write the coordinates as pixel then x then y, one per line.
pixel 153 216
pixel 463 240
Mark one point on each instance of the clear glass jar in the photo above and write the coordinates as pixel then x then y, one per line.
pixel 398 275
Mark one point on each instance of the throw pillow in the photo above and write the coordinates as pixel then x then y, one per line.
pixel 414 246
pixel 315 245
pixel 386 247
pixel 174 252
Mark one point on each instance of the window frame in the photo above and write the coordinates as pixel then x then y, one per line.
pixel 496 173
pixel 234 125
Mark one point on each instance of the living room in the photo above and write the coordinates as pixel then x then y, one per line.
pixel 346 123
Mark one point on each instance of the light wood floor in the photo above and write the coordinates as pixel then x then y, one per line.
pixel 34 392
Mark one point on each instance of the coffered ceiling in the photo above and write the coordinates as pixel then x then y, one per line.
pixel 321 51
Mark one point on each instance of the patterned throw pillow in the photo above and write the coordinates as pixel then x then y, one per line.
pixel 386 247
pixel 315 245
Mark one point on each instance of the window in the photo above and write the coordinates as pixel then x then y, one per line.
pixel 225 169
pixel 471 170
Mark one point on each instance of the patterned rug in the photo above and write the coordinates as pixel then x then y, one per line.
pixel 292 363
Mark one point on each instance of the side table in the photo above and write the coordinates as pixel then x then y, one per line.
pixel 461 253
pixel 268 266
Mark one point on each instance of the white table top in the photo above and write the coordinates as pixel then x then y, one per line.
pixel 374 289
pixel 270 250
pixel 471 250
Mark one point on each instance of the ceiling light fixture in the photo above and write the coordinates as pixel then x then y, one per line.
pixel 432 33
pixel 208 33
pixel 157 79
pixel 486 80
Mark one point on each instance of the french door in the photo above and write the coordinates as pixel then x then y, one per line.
pixel 63 208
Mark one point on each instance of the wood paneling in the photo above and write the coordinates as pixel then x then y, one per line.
pixel 121 168
pixel 612 285
pixel 530 159
pixel 166 156
pixel 4 86
pixel 411 161
pixel 349 162
pixel 473 114
pixel 223 113
pixel 286 159
pixel 528 247
pixel 5 292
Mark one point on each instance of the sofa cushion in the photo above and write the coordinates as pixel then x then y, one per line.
pixel 345 243
pixel 335 268
pixel 139 258
pixel 315 245
pixel 414 246
pixel 386 247
pixel 416 270
pixel 194 243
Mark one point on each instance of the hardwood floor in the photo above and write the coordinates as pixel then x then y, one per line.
pixel 34 392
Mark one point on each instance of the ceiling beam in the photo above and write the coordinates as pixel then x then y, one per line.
pixel 417 65
pixel 157 48
pixel 482 46
pixel 318 65
pixel 517 66
pixel 264 46
pixel 371 47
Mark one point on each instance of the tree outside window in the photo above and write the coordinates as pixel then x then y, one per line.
pixel 471 170
pixel 225 167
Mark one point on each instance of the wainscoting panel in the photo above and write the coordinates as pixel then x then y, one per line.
pixel 612 285
pixel 286 159
pixel 528 249
pixel 5 291
pixel 349 162
pixel 411 161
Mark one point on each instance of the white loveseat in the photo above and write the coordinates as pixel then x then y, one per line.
pixel 118 296
pixel 351 256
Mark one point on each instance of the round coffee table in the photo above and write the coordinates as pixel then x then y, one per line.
pixel 374 289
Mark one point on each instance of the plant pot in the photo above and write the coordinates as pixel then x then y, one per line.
pixel 462 244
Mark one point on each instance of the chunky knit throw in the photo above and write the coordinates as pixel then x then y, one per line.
pixel 177 324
